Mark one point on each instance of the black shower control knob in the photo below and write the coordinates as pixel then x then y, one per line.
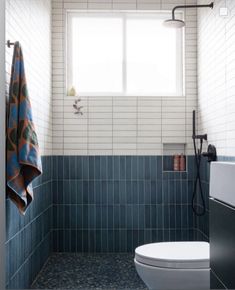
pixel 211 153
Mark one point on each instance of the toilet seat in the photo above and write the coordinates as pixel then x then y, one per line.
pixel 177 255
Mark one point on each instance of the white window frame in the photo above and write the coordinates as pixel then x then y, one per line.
pixel 180 66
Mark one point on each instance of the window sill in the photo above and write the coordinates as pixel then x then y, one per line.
pixel 126 96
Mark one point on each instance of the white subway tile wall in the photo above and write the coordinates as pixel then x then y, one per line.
pixel 29 22
pixel 216 71
pixel 114 125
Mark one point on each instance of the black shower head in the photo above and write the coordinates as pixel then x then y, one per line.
pixel 178 23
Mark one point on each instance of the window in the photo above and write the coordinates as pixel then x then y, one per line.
pixel 126 53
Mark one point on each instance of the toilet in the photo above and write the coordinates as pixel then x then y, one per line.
pixel 174 265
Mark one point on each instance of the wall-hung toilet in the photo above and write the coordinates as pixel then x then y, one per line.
pixel 174 265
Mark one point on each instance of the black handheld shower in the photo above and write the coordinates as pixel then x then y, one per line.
pixel 197 182
pixel 200 137
pixel 194 124
pixel 211 155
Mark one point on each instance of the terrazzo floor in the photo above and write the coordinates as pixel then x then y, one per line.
pixel 89 271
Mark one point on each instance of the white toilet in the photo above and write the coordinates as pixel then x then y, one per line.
pixel 174 265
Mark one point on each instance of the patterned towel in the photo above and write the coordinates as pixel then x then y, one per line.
pixel 23 159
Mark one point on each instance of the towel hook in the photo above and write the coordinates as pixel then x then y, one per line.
pixel 9 43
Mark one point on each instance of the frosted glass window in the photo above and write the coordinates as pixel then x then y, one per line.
pixel 97 54
pixel 124 53
pixel 151 57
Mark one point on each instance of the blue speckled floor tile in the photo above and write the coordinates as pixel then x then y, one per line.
pixel 89 271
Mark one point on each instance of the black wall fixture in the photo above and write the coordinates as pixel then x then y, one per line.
pixel 211 153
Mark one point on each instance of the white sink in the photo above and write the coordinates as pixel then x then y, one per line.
pixel 222 181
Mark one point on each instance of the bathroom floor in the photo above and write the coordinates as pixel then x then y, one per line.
pixel 89 271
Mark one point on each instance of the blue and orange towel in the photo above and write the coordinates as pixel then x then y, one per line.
pixel 23 158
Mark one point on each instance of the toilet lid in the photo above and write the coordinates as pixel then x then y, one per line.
pixel 182 255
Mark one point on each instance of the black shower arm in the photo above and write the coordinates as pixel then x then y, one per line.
pixel 211 5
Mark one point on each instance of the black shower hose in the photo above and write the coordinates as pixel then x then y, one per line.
pixel 197 181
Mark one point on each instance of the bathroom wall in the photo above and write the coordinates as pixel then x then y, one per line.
pixel 29 22
pixel 216 90
pixel 2 145
pixel 216 75
pixel 121 126
pixel 96 209
pixel 28 237
pixel 106 198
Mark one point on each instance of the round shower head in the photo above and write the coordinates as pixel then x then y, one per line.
pixel 174 23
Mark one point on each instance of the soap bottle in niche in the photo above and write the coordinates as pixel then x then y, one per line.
pixel 176 162
pixel 182 163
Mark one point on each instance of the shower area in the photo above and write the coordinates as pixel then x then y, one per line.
pixel 109 182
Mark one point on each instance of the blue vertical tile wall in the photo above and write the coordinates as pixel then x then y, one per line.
pixel 28 238
pixel 115 203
